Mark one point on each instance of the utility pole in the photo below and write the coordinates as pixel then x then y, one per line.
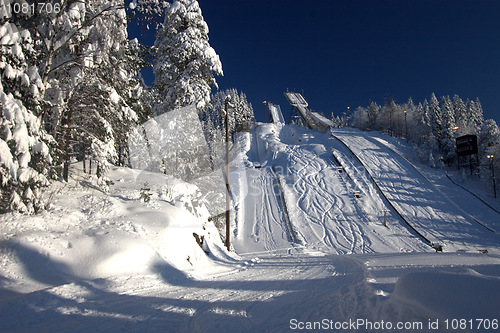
pixel 228 199
pixel 406 127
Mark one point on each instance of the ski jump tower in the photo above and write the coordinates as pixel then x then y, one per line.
pixel 300 107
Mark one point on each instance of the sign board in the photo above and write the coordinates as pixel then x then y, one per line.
pixel 466 145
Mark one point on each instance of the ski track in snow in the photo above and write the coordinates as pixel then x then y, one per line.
pixel 262 297
pixel 320 206
pixel 264 219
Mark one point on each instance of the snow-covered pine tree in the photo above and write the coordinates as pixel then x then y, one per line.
pixel 117 62
pixel 367 119
pixel 373 113
pixel 417 124
pixel 409 110
pixel 24 154
pixel 435 117
pixel 476 118
pixel 489 137
pixel 185 62
pixel 489 144
pixel 240 112
pixel 447 138
pixel 149 9
pixel 426 115
pixel 461 116
pixel 424 139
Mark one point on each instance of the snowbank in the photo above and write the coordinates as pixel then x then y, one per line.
pixel 450 295
pixel 88 234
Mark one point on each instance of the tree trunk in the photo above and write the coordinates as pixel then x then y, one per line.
pixel 83 158
pixel 67 146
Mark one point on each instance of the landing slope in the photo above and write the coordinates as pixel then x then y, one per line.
pixel 326 212
pixel 426 208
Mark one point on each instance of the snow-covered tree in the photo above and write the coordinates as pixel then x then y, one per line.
pixel 410 117
pixel 367 118
pixel 240 112
pixel 447 137
pixel 373 113
pixel 432 126
pixel 461 116
pixel 427 146
pixel 426 115
pixel 25 159
pixel 418 124
pixel 116 68
pixel 435 117
pixel 89 80
pixel 489 137
pixel 185 62
pixel 476 117
pixel 489 144
pixel 386 121
pixel 360 118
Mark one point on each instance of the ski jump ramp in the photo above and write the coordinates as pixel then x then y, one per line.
pixel 300 104
pixel 275 114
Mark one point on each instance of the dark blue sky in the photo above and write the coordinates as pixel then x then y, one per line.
pixel 343 53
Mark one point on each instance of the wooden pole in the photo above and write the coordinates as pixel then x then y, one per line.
pixel 228 199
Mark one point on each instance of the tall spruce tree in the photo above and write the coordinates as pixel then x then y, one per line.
pixel 185 62
pixel 436 121
pixel 489 144
pixel 476 115
pixel 447 137
pixel 461 116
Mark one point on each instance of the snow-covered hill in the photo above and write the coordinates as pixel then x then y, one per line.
pixel 310 246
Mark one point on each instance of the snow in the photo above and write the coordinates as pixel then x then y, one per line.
pixel 6 157
pixel 322 119
pixel 441 296
pixel 306 248
pixel 42 149
pixel 9 72
pixel 114 97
